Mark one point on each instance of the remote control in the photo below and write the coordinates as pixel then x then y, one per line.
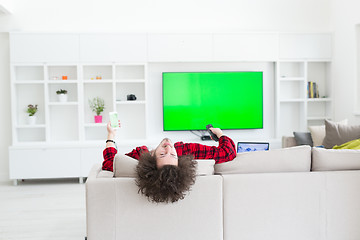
pixel 213 136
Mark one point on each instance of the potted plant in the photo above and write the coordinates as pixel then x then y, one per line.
pixel 31 110
pixel 62 95
pixel 97 105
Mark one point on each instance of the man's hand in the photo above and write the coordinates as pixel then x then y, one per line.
pixel 111 134
pixel 217 131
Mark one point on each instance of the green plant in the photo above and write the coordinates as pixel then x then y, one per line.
pixel 97 105
pixel 61 91
pixel 31 110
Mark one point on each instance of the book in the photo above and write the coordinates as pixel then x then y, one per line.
pixel 312 90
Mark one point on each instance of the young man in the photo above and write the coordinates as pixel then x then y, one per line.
pixel 166 173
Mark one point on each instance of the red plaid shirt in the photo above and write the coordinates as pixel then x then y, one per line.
pixel 223 153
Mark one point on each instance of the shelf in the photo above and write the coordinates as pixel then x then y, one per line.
pixel 95 125
pixel 30 82
pixel 319 99
pixel 62 103
pixel 318 118
pixel 28 73
pixel 130 80
pixel 125 72
pixel 31 126
pixel 129 102
pixel 31 133
pixel 62 81
pixel 292 79
pixel 99 81
pixel 291 100
pixel 56 72
pixel 93 71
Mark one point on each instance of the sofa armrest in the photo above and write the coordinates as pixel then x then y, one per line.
pixel 288 141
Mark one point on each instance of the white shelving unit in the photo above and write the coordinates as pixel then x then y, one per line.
pixel 71 123
pixel 73 120
pixel 294 110
pixel 65 141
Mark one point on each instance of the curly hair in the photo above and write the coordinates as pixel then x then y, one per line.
pixel 167 184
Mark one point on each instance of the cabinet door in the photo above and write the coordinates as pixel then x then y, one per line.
pixel 50 47
pixel 179 47
pixel 306 46
pixel 44 163
pixel 246 47
pixel 113 47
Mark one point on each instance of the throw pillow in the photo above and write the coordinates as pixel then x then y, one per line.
pixel 303 138
pixel 337 134
pixel 124 166
pixel 293 159
pixel 335 160
pixel 318 133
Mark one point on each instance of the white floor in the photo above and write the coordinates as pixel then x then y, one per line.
pixel 43 209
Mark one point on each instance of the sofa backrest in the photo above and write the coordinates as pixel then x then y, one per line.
pixel 294 159
pixel 115 210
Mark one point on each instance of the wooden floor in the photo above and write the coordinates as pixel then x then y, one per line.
pixel 43 209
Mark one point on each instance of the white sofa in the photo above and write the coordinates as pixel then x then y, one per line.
pixel 268 198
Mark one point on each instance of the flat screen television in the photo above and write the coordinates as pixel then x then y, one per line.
pixel 228 100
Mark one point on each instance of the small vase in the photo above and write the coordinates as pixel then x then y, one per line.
pixel 98 119
pixel 62 97
pixel 32 120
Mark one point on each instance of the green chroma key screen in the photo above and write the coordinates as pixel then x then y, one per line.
pixel 228 100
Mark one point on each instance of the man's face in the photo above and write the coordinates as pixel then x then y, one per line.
pixel 165 153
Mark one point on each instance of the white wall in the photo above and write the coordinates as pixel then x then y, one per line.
pixel 345 17
pixel 165 15
pixel 152 16
pixel 5 116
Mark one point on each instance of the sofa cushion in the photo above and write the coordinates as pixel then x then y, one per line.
pixel 288 141
pixel 293 159
pixel 124 166
pixel 318 132
pixel 337 134
pixel 335 159
pixel 303 138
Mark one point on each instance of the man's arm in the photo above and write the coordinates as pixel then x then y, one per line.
pixel 110 150
pixel 223 153
pixel 135 153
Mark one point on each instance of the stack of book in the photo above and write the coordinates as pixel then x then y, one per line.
pixel 312 90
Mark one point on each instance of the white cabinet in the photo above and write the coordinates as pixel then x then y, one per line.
pixel 56 47
pixel 305 46
pixel 179 47
pixel 246 47
pixel 113 48
pixel 26 163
